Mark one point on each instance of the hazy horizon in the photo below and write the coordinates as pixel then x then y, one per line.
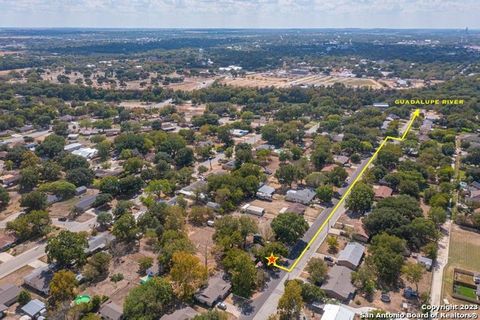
pixel 243 14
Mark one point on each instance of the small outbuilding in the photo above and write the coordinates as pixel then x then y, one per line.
pixel 351 256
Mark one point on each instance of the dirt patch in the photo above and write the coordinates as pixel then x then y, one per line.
pixel 201 237
pixel 16 277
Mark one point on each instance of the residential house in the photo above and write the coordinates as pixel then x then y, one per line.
pixel 8 296
pixel 297 208
pixel 7 240
pixel 304 196
pixel 186 313
pixel 39 280
pixel 34 308
pixel 99 242
pixel 382 192
pixel 111 311
pixel 343 160
pixel 216 290
pixel 10 179
pixel 85 203
pixel 214 206
pixel 196 188
pixel 72 147
pixel 238 132
pixel 80 190
pixel 339 283
pixel 87 153
pixel 167 126
pixel 265 192
pixel 351 256
pixel 257 211
pixel 426 262
pixel 337 312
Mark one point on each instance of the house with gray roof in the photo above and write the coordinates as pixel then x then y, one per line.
pixel 339 283
pixel 85 203
pixel 8 295
pixel 34 308
pixel 111 311
pixel 303 196
pixel 186 313
pixel 99 242
pixel 265 192
pixel 216 290
pixel 351 256
pixel 39 280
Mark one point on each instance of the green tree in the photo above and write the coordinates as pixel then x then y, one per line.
pixel 51 146
pixel 24 297
pixel 148 301
pixel 364 279
pixel 387 257
pixel 104 219
pixel 80 176
pixel 29 178
pixel 33 224
pixel 291 302
pixel 144 263
pixel 125 228
pixel 34 200
pixel 325 193
pixel 67 248
pixel 243 271
pixel 214 314
pixel 4 198
pixel 361 198
pixel 97 266
pixel 63 287
pixel 287 174
pixel 438 215
pixel 289 227
pixel 187 274
pixel 413 272
pixel 317 270
pixel 333 244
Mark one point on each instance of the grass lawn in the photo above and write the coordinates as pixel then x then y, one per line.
pixel 464 253
pixel 466 292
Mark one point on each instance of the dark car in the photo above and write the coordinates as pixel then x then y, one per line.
pixel 385 297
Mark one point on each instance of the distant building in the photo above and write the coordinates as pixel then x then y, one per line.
pixel 265 192
pixel 238 132
pixel 216 290
pixel 167 126
pixel 80 190
pixel 303 196
pixel 380 105
pixel 85 203
pixel 111 311
pixel 191 191
pixel 339 283
pixel 186 313
pixel 72 147
pixel 87 153
pixel 257 211
pixel 10 179
pixel 214 206
pixel 351 256
pixel 343 160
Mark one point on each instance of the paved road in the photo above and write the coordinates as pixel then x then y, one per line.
pixel 22 260
pixel 266 303
pixel 440 263
pixel 32 255
pixel 16 138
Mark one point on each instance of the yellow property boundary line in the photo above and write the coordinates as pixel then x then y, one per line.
pixel 415 114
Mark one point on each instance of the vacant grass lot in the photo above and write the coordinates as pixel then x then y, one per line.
pixel 466 292
pixel 464 253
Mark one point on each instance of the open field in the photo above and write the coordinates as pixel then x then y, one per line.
pixel 464 253
pixel 265 80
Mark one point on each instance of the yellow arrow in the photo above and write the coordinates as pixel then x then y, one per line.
pixel 415 114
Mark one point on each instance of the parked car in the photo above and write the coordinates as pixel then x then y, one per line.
pixel 222 306
pixel 385 297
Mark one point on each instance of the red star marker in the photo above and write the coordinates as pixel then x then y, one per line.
pixel 271 259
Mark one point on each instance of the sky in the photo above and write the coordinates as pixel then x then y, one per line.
pixel 241 13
